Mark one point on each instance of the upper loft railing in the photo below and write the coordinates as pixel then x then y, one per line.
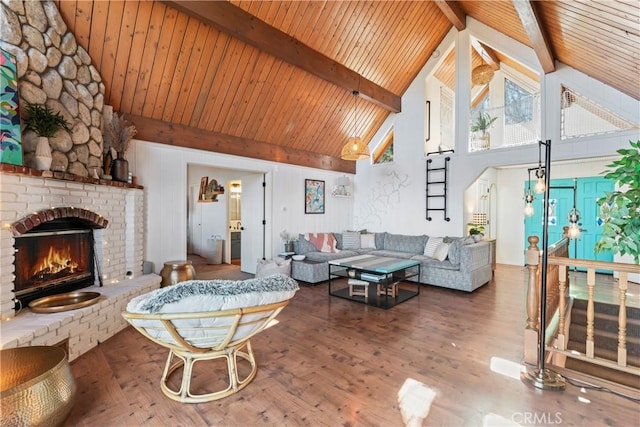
pixel 559 306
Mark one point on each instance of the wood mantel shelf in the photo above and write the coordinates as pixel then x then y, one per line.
pixel 63 176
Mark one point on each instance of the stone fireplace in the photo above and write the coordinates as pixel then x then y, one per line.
pixel 38 202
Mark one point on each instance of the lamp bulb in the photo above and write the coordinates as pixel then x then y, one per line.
pixel 539 187
pixel 574 231
pixel 528 209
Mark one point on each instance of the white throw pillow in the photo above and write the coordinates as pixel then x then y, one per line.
pixel 431 246
pixel 368 241
pixel 441 251
pixel 267 267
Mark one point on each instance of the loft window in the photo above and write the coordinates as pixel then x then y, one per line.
pixel 518 104
pixel 384 152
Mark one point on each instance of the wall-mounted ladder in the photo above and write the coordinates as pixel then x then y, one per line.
pixel 437 184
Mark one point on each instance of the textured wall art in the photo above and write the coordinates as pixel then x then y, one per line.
pixel 10 135
pixel 313 196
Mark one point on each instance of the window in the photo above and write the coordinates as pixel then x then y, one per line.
pixel 518 104
pixel 384 152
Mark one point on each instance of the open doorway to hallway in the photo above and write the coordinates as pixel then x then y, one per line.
pixel 230 228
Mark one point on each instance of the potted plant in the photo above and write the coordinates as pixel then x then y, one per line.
pixel 118 134
pixel 481 125
pixel 476 231
pixel 620 209
pixel 45 122
pixel 287 239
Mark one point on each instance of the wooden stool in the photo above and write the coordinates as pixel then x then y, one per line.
pixel 391 290
pixel 358 288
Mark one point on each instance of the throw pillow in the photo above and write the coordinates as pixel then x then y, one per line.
pixel 432 244
pixel 351 240
pixel 441 251
pixel 267 267
pixel 324 242
pixel 302 246
pixel 368 241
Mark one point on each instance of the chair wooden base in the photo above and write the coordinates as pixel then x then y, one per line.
pixel 188 359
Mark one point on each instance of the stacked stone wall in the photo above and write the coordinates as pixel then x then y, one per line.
pixel 54 70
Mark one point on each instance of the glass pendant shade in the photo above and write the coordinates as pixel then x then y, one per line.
pixel 539 187
pixel 528 209
pixel 355 149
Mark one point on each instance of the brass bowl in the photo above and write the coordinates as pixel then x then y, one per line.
pixel 37 387
pixel 64 302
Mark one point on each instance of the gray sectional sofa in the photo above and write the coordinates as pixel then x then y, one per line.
pixel 467 265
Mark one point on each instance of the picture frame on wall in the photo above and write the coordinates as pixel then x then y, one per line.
pixel 314 191
pixel 10 133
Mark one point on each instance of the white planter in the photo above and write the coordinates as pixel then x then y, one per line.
pixel 43 154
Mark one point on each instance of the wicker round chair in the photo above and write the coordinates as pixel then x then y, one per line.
pixel 225 315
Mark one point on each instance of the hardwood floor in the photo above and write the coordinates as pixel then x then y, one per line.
pixel 332 362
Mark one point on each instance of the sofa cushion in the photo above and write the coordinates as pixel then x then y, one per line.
pixel 431 246
pixel 324 242
pixel 329 256
pixel 391 254
pixel 404 243
pixel 441 252
pixel 456 246
pixel 302 246
pixel 351 240
pixel 380 239
pixel 368 241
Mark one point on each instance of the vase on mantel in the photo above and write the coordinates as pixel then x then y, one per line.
pixel 120 168
pixel 43 154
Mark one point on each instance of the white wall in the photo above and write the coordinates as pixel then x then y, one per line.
pixel 392 197
pixel 162 170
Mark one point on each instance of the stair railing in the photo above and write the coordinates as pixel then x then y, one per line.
pixel 558 286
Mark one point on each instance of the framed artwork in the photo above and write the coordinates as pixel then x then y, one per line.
pixel 10 135
pixel 313 196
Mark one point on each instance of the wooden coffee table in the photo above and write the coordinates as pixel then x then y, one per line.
pixel 383 272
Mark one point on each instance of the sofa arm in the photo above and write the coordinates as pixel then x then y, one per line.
pixel 475 256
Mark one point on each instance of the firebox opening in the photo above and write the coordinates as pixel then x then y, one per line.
pixel 53 258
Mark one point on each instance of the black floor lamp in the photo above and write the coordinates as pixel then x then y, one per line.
pixel 542 377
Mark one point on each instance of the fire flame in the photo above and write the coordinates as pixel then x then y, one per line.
pixel 56 261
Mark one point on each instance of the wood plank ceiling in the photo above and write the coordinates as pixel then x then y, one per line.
pixel 276 81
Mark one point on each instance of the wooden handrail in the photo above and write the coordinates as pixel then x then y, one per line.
pixel 558 286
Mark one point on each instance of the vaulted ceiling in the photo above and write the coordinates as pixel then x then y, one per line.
pixel 276 79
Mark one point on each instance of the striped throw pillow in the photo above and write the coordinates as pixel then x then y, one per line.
pixel 351 240
pixel 431 246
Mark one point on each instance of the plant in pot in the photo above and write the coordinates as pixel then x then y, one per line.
pixel 476 231
pixel 620 209
pixel 287 240
pixel 118 134
pixel 45 122
pixel 481 125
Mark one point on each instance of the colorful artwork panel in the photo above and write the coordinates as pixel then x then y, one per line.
pixel 10 134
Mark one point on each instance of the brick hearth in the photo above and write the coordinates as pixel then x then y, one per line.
pixel 28 198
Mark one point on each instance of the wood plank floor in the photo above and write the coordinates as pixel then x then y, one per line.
pixel 331 362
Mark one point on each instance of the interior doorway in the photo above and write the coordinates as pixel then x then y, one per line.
pixel 209 222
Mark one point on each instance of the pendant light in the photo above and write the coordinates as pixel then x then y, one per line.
pixel 355 148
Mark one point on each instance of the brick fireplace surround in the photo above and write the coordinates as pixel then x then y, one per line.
pixel 28 196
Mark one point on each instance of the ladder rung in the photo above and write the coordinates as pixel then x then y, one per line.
pixel 439 195
pixel 436 169
pixel 436 182
pixel 436 209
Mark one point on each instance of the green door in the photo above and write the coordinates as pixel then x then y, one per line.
pixel 589 190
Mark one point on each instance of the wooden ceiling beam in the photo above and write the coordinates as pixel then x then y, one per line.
pixel 486 53
pixel 533 27
pixel 189 137
pixel 454 13
pixel 240 24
